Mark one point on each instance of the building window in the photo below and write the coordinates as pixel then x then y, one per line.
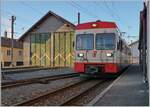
pixel 20 53
pixel 8 52
pixel 7 63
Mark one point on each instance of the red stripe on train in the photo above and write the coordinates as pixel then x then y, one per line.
pixel 107 67
pixel 99 24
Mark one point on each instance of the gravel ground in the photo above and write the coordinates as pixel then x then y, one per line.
pixel 34 74
pixel 62 96
pixel 15 95
pixel 84 99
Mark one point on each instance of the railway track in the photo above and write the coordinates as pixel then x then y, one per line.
pixel 72 100
pixel 86 96
pixel 20 70
pixel 43 80
pixel 22 67
pixel 61 95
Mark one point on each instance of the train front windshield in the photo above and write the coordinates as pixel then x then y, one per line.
pixel 85 42
pixel 103 41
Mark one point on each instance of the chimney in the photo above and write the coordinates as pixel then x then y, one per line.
pixel 5 34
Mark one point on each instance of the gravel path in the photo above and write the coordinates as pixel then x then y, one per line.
pixel 15 95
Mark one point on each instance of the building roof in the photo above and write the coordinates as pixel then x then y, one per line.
pixel 6 42
pixel 134 43
pixel 43 19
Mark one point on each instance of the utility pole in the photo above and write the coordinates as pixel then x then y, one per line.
pixel 78 18
pixel 13 18
pixel 5 34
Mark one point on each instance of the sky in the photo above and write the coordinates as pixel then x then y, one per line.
pixel 124 13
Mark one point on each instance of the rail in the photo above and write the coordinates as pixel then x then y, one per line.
pixel 61 90
pixel 37 80
pixel 26 69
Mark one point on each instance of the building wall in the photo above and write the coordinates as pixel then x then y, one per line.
pixel 16 56
pixel 144 41
pixel 135 53
pixel 52 24
pixel 49 26
pixel 26 51
pixel 148 39
pixel 64 28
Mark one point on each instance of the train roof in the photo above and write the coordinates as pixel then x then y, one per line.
pixel 97 24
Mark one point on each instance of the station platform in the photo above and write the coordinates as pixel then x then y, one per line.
pixel 35 74
pixel 127 90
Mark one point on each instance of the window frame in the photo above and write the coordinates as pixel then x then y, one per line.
pixel 114 37
pixel 83 35
pixel 8 52
pixel 20 53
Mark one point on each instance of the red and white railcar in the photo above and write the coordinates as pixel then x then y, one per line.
pixel 99 49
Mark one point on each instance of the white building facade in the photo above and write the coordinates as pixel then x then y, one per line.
pixel 135 52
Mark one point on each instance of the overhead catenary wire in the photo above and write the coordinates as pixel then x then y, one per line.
pixel 18 17
pixel 115 12
pixel 5 25
pixel 82 9
pixel 32 8
pixel 102 8
pixel 108 10
pixel 128 27
pixel 90 13
pixel 8 25
pixel 112 12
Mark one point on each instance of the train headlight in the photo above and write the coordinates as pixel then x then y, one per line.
pixel 80 54
pixel 94 25
pixel 109 54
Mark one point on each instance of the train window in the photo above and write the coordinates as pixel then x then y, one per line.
pixel 123 48
pixel 85 42
pixel 105 41
pixel 119 45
